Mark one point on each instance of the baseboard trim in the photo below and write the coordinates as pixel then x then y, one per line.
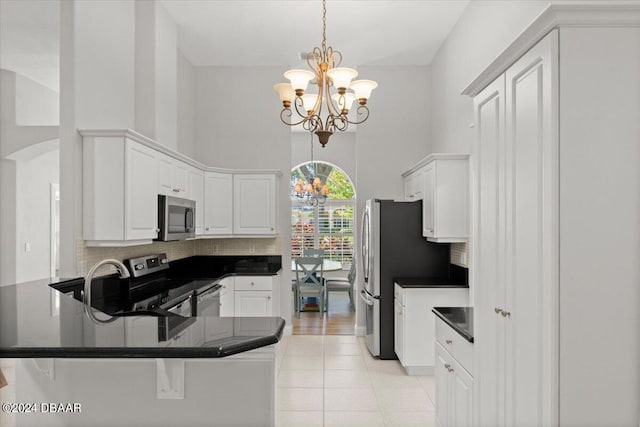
pixel 288 330
pixel 419 370
pixel 359 331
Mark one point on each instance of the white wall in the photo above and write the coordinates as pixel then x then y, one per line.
pixel 186 115
pixel 484 30
pixel 166 49
pixel 394 138
pixel 340 151
pixel 238 127
pixel 35 104
pixel 33 202
pixel 104 46
pixel 156 73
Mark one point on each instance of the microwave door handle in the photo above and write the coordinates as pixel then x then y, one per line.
pixel 188 220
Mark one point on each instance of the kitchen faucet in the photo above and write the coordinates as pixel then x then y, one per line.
pixel 122 272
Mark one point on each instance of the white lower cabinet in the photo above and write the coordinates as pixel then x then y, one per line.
pixel 415 325
pixel 249 296
pixel 227 294
pixel 454 383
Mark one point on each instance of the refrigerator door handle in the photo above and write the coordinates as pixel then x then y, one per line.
pixel 365 298
pixel 364 253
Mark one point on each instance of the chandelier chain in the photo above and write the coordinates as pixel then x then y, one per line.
pixel 324 27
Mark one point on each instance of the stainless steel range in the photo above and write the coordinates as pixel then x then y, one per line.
pixel 174 300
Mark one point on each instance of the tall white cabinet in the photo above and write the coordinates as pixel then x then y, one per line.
pixel 556 157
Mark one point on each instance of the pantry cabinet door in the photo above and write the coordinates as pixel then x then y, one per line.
pixel 487 253
pixel 532 236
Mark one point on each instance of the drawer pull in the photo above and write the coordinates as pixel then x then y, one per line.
pixel 253 284
pixel 448 341
pixel 448 367
pixel 498 310
pixel 506 314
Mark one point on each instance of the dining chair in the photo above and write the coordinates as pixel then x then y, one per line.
pixel 341 284
pixel 313 253
pixel 310 281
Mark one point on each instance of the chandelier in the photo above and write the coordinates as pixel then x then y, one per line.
pixel 324 64
pixel 314 192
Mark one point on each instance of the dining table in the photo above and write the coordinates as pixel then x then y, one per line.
pixel 327 265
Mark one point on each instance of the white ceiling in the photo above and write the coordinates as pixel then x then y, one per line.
pixel 261 32
pixel 251 32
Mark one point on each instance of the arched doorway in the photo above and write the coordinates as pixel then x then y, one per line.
pixel 327 225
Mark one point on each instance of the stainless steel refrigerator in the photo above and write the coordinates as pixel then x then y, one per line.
pixel 392 247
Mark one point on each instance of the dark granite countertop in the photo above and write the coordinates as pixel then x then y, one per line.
pixel 45 318
pixel 458 277
pixel 459 318
pixel 428 282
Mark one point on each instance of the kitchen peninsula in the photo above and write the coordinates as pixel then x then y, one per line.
pixel 124 376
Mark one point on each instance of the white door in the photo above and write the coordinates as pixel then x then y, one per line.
pixel 488 253
pixel 531 236
pixel 254 204
pixel 141 182
pixel 218 203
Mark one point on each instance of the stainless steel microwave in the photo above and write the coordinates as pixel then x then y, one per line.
pixel 176 218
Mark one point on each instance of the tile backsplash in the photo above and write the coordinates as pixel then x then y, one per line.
pixel 88 256
pixel 460 254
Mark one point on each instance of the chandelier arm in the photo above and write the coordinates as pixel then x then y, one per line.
pixel 340 122
pixel 298 104
pixel 362 111
pixel 334 110
pixel 287 112
pixel 316 55
pixel 332 54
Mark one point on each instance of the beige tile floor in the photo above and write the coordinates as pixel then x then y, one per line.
pixel 332 380
pixel 7 393
pixel 329 381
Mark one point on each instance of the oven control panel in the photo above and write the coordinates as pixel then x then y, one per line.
pixel 148 264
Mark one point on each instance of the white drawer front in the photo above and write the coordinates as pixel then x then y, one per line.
pixel 253 283
pixel 454 343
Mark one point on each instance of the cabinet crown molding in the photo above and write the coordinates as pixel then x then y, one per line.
pixel 555 16
pixel 432 157
pixel 138 137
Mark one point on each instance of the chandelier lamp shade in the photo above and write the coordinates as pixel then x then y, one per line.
pixel 326 110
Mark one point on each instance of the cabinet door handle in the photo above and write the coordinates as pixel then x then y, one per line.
pixel 253 284
pixel 506 313
pixel 498 310
pixel 448 341
pixel 207 229
pixel 269 297
pixel 448 367
pixel 271 228
pixel 176 190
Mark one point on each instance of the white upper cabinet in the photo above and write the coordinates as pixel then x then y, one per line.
pixel 218 204
pixel 172 177
pixel 445 200
pixel 124 172
pixel 120 201
pixel 195 183
pixel 414 185
pixel 254 204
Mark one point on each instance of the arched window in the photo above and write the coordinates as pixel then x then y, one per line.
pixel 329 225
